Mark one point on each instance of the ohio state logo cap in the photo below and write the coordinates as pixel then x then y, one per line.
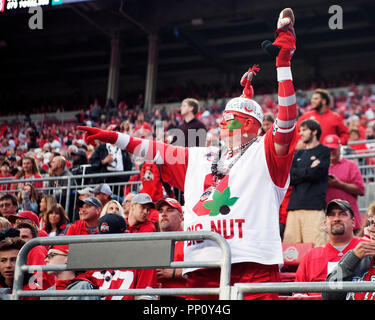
pixel 246 106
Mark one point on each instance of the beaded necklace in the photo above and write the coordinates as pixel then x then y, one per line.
pixel 218 163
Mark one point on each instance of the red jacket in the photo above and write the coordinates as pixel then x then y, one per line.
pixel 147 226
pixel 330 122
pixel 151 181
pixel 79 228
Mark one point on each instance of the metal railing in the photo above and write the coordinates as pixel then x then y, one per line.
pixel 68 192
pixel 224 264
pixel 239 289
pixel 362 158
pixel 225 291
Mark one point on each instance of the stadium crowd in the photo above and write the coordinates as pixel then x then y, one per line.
pixel 51 149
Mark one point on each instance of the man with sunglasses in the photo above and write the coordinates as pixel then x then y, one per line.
pixel 356 265
pixel 235 190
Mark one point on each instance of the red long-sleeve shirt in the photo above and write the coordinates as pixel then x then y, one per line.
pixel 330 122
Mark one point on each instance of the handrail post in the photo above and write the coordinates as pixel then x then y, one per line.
pixel 67 201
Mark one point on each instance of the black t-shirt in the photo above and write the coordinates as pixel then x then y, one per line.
pixel 195 133
pixel 309 184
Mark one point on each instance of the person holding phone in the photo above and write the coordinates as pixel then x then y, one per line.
pixel 345 180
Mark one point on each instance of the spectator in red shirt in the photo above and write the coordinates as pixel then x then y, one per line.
pixel 5 173
pixel 36 255
pixel 330 122
pixel 126 278
pixel 89 216
pixel 68 279
pixel 139 212
pixel 319 261
pixel 30 170
pixel 27 217
pixel 171 219
pixel 354 135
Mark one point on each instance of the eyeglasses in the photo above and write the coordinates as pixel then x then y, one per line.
pixel 371 221
pixel 54 254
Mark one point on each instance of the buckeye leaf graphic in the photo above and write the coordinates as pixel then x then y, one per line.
pixel 234 124
pixel 220 202
pixel 213 206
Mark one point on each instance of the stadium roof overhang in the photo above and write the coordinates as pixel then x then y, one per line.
pixel 194 36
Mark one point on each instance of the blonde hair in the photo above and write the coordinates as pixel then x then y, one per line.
pixel 4 223
pixel 105 209
pixel 371 208
pixel 192 103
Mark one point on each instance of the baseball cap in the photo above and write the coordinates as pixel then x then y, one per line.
pixel 24 215
pixel 343 204
pixel 86 190
pixel 103 188
pixel 332 141
pixel 170 202
pixel 60 248
pixel 93 202
pixel 112 223
pixel 143 198
pixel 245 106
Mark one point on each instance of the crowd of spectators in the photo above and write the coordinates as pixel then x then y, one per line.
pixel 30 151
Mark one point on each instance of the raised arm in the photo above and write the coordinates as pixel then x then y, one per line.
pixel 283 49
pixel 173 159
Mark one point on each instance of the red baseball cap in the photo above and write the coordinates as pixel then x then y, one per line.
pixel 170 202
pixel 332 141
pixel 24 215
pixel 64 248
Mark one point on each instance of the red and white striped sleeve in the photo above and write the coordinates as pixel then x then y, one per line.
pixel 283 130
pixel 173 160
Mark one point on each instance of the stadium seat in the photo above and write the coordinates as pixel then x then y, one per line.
pixel 293 254
pixel 312 297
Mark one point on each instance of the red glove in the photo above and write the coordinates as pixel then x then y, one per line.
pixel 283 47
pixel 286 41
pixel 92 134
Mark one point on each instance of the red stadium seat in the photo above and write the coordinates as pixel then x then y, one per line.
pixel 293 254
pixel 313 297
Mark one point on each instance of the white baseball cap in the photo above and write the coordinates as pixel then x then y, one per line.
pixel 103 188
pixel 143 198
pixel 245 106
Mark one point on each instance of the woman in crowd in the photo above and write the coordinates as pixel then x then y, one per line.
pixel 113 206
pixel 267 123
pixel 28 198
pixel 46 203
pixel 57 222
pixel 30 170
